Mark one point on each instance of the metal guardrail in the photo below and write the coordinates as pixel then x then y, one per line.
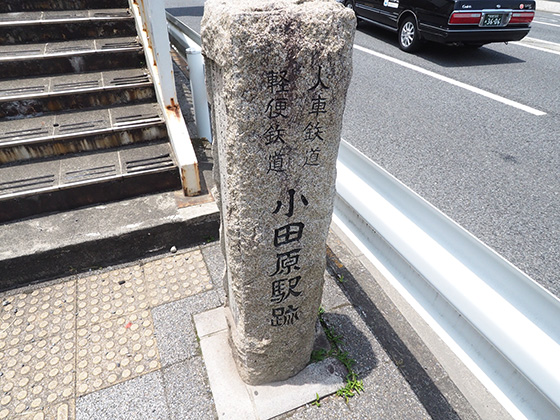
pixel 500 318
pixel 187 44
pixel 503 324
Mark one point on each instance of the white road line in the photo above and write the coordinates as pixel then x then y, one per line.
pixel 453 82
pixel 539 44
pixel 540 41
pixel 546 23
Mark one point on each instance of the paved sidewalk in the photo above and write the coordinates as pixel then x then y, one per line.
pixel 120 343
pixel 63 341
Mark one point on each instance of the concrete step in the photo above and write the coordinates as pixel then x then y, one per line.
pixel 26 60
pixel 67 25
pixel 22 98
pixel 69 182
pixel 7 6
pixel 79 119
pixel 66 243
pixel 62 133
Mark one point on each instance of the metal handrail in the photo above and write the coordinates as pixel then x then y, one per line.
pixel 150 20
pixel 187 44
pixel 496 315
pixel 184 29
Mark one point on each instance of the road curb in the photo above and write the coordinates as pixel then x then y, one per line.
pixel 72 242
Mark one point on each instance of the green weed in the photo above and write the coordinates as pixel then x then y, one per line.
pixel 353 384
pixel 316 402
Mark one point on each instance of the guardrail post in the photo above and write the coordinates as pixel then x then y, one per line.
pixel 198 89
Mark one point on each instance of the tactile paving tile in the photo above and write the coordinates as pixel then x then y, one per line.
pixel 62 341
pixel 37 375
pixel 63 411
pixel 107 295
pixel 29 317
pixel 176 277
pixel 115 351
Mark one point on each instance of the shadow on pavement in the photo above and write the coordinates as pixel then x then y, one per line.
pixel 443 55
pixel 410 368
pixel 354 342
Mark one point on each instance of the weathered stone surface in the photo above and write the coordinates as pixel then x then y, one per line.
pixel 278 72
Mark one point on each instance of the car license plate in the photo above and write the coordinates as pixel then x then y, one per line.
pixel 492 20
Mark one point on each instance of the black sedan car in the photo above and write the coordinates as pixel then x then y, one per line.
pixel 456 22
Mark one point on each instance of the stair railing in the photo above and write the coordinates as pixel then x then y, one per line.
pixel 151 24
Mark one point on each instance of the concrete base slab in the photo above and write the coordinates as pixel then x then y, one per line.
pixel 236 400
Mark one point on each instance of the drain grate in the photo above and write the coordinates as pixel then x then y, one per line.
pixel 26 184
pixel 89 173
pixel 141 78
pixel 70 48
pixel 19 90
pixel 81 126
pixel 24 134
pixel 123 44
pixel 156 162
pixel 53 16
pixel 16 17
pixel 76 85
pixel 137 118
pixel 17 53
pixel 124 13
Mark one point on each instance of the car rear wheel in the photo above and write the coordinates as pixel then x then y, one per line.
pixel 409 38
pixel 349 4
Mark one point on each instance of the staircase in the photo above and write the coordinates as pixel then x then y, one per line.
pixel 79 120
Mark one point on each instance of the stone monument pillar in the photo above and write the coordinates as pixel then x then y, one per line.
pixel 277 74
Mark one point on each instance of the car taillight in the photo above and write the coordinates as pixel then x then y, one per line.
pixel 464 18
pixel 522 17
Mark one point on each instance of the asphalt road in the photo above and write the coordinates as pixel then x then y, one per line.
pixel 492 167
pixel 484 151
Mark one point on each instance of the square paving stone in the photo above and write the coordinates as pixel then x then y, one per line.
pixel 58 411
pixel 176 277
pixel 174 327
pixel 332 297
pixel 386 394
pixel 140 398
pixel 216 267
pixel 37 375
pixel 114 351
pixel 188 392
pixel 111 294
pixel 35 315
